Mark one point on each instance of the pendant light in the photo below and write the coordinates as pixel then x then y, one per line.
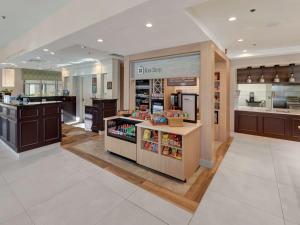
pixel 249 80
pixel 276 79
pixel 262 79
pixel 292 75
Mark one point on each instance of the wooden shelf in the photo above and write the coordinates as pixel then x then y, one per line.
pixel 170 146
pixel 150 141
pixel 149 151
pixel 172 157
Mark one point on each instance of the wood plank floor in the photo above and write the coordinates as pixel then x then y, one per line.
pixel 189 201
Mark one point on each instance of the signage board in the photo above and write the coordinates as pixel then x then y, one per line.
pixel 183 81
pixel 187 65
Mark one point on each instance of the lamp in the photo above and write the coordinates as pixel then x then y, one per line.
pixel 276 79
pixel 292 75
pixel 249 80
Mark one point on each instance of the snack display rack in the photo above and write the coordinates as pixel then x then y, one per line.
pixel 176 151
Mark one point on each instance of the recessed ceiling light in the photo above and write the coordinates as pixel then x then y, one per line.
pixel 52 53
pixel 38 57
pixel 24 62
pixel 100 40
pixel 240 40
pixel 231 19
pixel 149 25
pixel 245 51
pixel 46 50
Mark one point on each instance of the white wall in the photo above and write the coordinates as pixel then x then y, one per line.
pixel 254 62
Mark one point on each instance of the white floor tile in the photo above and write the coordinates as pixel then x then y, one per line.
pixel 160 208
pixel 2 181
pixel 255 165
pixel 290 198
pixel 115 183
pixel 85 203
pixel 9 205
pixel 215 209
pixel 34 190
pixel 257 192
pixel 129 214
pixel 21 219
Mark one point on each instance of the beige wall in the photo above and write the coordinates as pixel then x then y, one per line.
pixel 19 84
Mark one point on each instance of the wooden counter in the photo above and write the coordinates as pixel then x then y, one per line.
pixel 25 127
pixel 180 168
pixel 273 124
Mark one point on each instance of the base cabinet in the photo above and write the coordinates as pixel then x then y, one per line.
pixel 283 126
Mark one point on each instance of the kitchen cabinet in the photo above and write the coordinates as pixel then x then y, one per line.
pixel 283 126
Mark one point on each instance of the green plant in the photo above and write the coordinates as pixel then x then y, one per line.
pixel 6 91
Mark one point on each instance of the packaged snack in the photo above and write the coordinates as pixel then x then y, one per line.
pixel 147 135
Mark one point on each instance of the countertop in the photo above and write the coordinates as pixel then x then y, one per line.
pixel 268 110
pixel 30 103
pixel 186 129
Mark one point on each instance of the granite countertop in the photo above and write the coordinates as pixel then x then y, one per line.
pixel 268 110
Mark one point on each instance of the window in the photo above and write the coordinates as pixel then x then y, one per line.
pixel 43 88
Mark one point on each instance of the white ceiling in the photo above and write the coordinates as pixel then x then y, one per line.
pixel 39 59
pixel 274 27
pixel 125 34
pixel 22 15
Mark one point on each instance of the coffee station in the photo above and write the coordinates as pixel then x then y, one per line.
pixel 268 101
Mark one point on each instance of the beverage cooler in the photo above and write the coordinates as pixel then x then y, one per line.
pixel 122 129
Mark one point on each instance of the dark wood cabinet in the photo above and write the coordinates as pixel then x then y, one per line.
pixel 104 108
pixel 283 126
pixel 30 126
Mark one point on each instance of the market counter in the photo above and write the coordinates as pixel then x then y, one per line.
pixel 174 151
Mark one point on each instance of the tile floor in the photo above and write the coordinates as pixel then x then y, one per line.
pixel 257 183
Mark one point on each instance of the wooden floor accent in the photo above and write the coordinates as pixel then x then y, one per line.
pixel 188 202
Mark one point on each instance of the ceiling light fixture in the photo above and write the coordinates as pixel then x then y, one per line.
pixel 100 40
pixel 38 57
pixel 24 62
pixel 3 17
pixel 252 10
pixel 46 50
pixel 231 19
pixel 245 51
pixel 149 25
pixel 240 40
pixel 52 53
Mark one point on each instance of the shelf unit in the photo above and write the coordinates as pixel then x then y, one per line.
pixel 217 97
pixel 143 95
pixel 179 167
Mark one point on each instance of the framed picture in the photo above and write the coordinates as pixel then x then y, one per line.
pixel 109 85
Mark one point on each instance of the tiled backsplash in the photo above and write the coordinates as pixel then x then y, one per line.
pixel 263 92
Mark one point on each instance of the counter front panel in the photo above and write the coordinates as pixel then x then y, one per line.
pixel 31 126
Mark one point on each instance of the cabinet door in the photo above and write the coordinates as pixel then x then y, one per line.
pixel 275 125
pixel 29 134
pixel 246 122
pixel 52 129
pixel 295 132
